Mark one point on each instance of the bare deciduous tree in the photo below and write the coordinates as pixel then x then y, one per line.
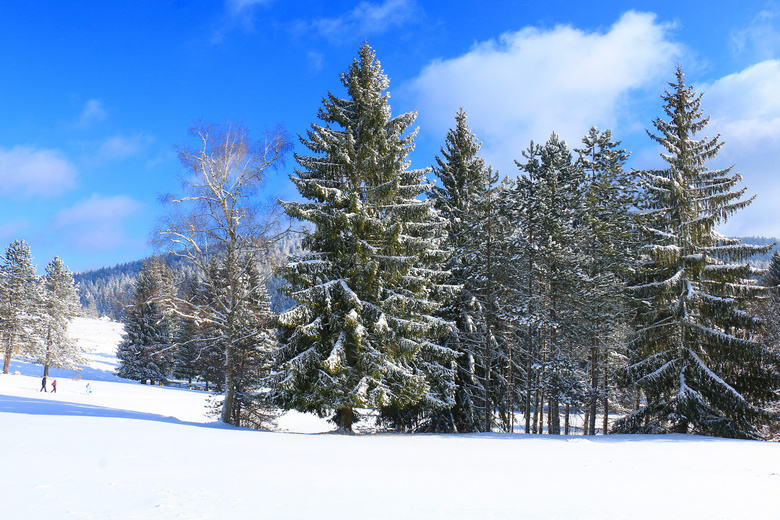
pixel 223 229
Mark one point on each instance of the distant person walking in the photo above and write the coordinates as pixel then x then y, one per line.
pixel 89 389
pixel 43 384
pixel 54 387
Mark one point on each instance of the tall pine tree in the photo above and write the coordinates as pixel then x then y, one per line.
pixel 608 242
pixel 694 354
pixel 363 334
pixel 464 201
pixel 544 258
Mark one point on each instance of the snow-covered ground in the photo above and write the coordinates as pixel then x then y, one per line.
pixel 129 451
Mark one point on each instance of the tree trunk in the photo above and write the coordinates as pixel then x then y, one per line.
pixel 9 350
pixel 606 416
pixel 230 390
pixel 46 370
pixel 566 420
pixel 347 416
pixel 594 378
pixel 554 417
pixel 586 423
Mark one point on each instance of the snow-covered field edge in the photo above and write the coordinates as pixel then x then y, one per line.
pixel 127 450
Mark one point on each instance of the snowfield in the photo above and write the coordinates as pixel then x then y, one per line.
pixel 129 451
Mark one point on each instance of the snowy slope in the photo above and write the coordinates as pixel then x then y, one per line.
pixel 133 451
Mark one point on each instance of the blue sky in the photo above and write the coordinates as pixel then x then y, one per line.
pixel 96 95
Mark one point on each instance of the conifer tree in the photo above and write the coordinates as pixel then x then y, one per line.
pixel 146 351
pixel 59 305
pixel 19 301
pixel 608 242
pixel 772 276
pixel 464 201
pixel 363 334
pixel 545 263
pixel 694 353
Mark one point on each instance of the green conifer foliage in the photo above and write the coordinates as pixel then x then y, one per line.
pixel 59 305
pixel 464 201
pixel 364 332
pixel 19 301
pixel 694 354
pixel 146 351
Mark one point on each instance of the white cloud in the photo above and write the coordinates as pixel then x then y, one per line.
pixel 367 18
pixel 529 83
pixel 29 172
pixel 97 223
pixel 745 109
pixel 93 112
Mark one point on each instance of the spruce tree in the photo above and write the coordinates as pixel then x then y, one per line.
pixel 146 351
pixel 464 201
pixel 363 333
pixel 772 276
pixel 19 301
pixel 59 305
pixel 545 265
pixel 694 353
pixel 608 242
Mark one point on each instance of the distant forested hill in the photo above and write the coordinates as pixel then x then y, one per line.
pixel 106 291
pixel 762 261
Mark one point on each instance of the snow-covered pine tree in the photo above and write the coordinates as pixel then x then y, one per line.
pixel 464 201
pixel 146 351
pixel 544 261
pixel 609 244
pixel 363 334
pixel 59 305
pixel 19 301
pixel 694 353
pixel 772 276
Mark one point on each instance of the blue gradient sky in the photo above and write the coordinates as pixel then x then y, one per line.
pixel 95 95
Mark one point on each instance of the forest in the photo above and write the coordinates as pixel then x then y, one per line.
pixel 442 299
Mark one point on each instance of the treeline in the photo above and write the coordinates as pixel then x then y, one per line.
pixel 574 286
pixel 109 290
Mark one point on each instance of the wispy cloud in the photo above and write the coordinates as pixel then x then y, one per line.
pixel 761 38
pixel 366 19
pixel 92 113
pixel 122 146
pixel 530 83
pixel 238 14
pixel 27 172
pixel 241 6
pixel 98 223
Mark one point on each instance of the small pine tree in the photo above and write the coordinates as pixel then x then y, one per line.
pixel 694 352
pixel 363 334
pixel 146 352
pixel 19 301
pixel 59 305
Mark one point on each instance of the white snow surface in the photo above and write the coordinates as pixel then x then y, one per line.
pixel 130 451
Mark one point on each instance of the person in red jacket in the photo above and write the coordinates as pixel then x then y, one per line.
pixel 54 387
